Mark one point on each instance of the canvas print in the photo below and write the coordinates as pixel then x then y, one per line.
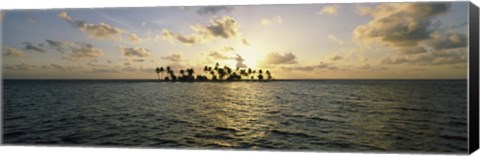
pixel 350 77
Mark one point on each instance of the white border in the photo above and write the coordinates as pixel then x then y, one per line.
pixel 81 151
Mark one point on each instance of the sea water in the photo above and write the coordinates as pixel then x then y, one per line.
pixel 323 115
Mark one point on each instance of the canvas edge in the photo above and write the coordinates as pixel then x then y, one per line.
pixel 473 80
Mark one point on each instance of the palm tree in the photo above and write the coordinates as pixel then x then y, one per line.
pixel 269 76
pixel 213 75
pixel 162 70
pixel 260 76
pixel 157 70
pixel 182 72
pixel 205 69
pixel 190 73
pixel 221 73
pixel 216 66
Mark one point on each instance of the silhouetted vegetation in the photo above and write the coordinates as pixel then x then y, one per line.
pixel 216 73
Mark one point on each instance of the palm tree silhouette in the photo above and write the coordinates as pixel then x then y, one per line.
pixel 157 70
pixel 162 70
pixel 269 76
pixel 260 76
pixel 218 73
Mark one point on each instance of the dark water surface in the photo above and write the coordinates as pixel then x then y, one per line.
pixel 391 116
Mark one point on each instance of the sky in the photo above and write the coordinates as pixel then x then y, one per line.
pixel 303 41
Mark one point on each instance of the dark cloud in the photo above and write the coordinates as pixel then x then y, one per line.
pixel 30 47
pixel 276 58
pixel 85 51
pixel 12 52
pixel 212 10
pixel 174 58
pixel 335 57
pixel 401 26
pixel 218 56
pixel 99 31
pixel 134 52
pixel 225 27
pixel 187 39
pixel 239 59
pixel 321 65
pixel 448 41
pixel 455 56
pixel 59 46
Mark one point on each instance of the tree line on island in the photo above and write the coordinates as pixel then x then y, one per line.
pixel 216 73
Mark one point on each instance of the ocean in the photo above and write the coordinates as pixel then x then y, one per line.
pixel 322 115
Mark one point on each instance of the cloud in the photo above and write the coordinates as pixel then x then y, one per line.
pixel 240 61
pixel 329 9
pixel 212 10
pixel 174 58
pixel 245 42
pixel 105 70
pixel 402 26
pixel 30 47
pixel 321 65
pixel 58 67
pixel 134 38
pixel 335 39
pixel 372 68
pixel 138 60
pixel 276 19
pixel 217 56
pixel 335 57
pixel 98 31
pixel 356 56
pixel 447 41
pixel 227 49
pixel 225 27
pixel 12 52
pixel 455 56
pixel 96 65
pixel 59 46
pixel 134 52
pixel 187 39
pixel 78 51
pixel 275 58
pixel 84 51
pixel 22 66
